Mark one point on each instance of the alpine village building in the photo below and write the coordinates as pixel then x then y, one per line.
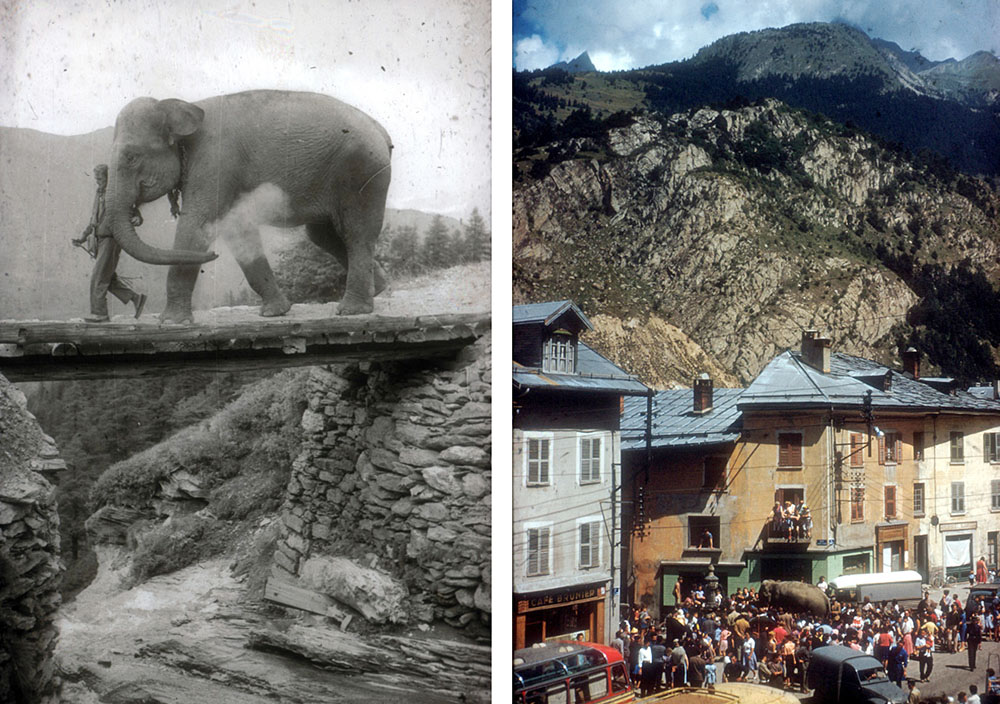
pixel 896 471
pixel 566 477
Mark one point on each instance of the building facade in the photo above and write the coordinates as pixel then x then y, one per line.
pixel 895 471
pixel 566 460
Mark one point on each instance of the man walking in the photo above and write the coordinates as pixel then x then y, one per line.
pixel 973 637
pixel 105 251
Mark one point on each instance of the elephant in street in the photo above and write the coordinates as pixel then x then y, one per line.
pixel 794 596
pixel 239 161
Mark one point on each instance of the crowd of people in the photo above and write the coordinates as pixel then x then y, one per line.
pixel 708 638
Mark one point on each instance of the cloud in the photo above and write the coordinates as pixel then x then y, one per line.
pixel 653 32
pixel 532 52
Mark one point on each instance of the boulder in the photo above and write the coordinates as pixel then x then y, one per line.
pixel 375 595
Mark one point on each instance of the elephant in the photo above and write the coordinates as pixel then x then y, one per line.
pixel 795 596
pixel 319 163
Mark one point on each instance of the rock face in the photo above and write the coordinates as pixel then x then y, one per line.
pixel 395 474
pixel 29 555
pixel 720 234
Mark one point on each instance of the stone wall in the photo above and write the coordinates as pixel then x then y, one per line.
pixel 395 474
pixel 30 572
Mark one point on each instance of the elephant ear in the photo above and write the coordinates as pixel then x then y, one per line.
pixel 181 118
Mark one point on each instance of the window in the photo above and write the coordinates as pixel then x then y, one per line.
pixel 538 550
pixel 539 459
pixel 857 503
pixel 918 446
pixel 958 497
pixel 590 460
pixel 557 354
pixel 991 447
pixel 918 499
pixel 714 474
pixel 995 494
pixel 889 447
pixel 703 531
pixel 991 548
pixel 790 450
pixel 957 446
pixel 590 544
pixel 857 450
pixel 890 501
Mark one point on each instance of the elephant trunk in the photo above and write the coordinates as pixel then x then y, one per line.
pixel 125 235
pixel 120 200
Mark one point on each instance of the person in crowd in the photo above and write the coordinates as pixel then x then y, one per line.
pixel 973 637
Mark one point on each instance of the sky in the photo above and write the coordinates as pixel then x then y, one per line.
pixel 420 67
pixel 623 35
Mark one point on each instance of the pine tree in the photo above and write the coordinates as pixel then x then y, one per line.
pixel 403 256
pixel 477 238
pixel 436 250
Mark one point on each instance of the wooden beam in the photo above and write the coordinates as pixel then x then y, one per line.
pixel 36 351
pixel 305 599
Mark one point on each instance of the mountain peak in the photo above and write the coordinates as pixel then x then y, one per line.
pixel 580 64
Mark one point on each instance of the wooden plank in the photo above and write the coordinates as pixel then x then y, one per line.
pixel 25 332
pixel 305 599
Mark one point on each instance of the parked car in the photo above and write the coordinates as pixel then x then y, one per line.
pixel 841 674
pixel 986 590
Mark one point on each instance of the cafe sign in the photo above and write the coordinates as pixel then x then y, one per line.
pixel 562 598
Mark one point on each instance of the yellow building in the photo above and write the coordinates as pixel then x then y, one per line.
pixel 896 471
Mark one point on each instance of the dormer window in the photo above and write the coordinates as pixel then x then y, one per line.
pixel 558 353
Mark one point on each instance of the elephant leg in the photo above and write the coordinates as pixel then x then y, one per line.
pixel 181 279
pixel 249 252
pixel 360 224
pixel 326 237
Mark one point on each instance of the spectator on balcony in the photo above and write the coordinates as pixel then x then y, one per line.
pixel 707 540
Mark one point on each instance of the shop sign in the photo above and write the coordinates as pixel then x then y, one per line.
pixel 552 600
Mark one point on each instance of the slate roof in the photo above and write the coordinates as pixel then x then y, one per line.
pixel 788 382
pixel 676 425
pixel 546 312
pixel 594 373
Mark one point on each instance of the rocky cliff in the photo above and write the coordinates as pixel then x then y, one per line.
pixel 29 555
pixel 738 228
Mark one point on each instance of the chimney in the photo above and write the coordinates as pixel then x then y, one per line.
pixel 703 394
pixel 816 350
pixel 911 362
pixel 996 389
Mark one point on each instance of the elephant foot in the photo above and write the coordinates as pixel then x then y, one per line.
pixel 274 307
pixel 350 306
pixel 176 315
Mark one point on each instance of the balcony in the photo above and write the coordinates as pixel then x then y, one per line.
pixel 787 535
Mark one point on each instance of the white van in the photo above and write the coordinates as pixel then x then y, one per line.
pixel 905 587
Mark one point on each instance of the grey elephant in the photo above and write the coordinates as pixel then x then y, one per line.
pixel 256 158
pixel 794 596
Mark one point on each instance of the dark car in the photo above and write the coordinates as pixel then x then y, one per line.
pixel 840 674
pixel 987 591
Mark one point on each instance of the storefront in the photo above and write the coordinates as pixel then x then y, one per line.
pixel 560 614
pixel 957 537
pixel 890 546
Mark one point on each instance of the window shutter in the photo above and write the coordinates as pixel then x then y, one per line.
pixel 789 450
pixel 890 502
pixel 857 454
pixel 898 446
pixel 881 450
pixel 543 551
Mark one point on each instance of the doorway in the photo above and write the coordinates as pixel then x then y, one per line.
pixel 920 556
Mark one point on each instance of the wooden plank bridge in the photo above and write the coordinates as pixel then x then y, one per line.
pixel 49 350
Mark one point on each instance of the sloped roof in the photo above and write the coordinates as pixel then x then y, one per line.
pixel 788 382
pixel 594 373
pixel 547 312
pixel 676 425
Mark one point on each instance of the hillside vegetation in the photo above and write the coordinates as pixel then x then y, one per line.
pixel 741 225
